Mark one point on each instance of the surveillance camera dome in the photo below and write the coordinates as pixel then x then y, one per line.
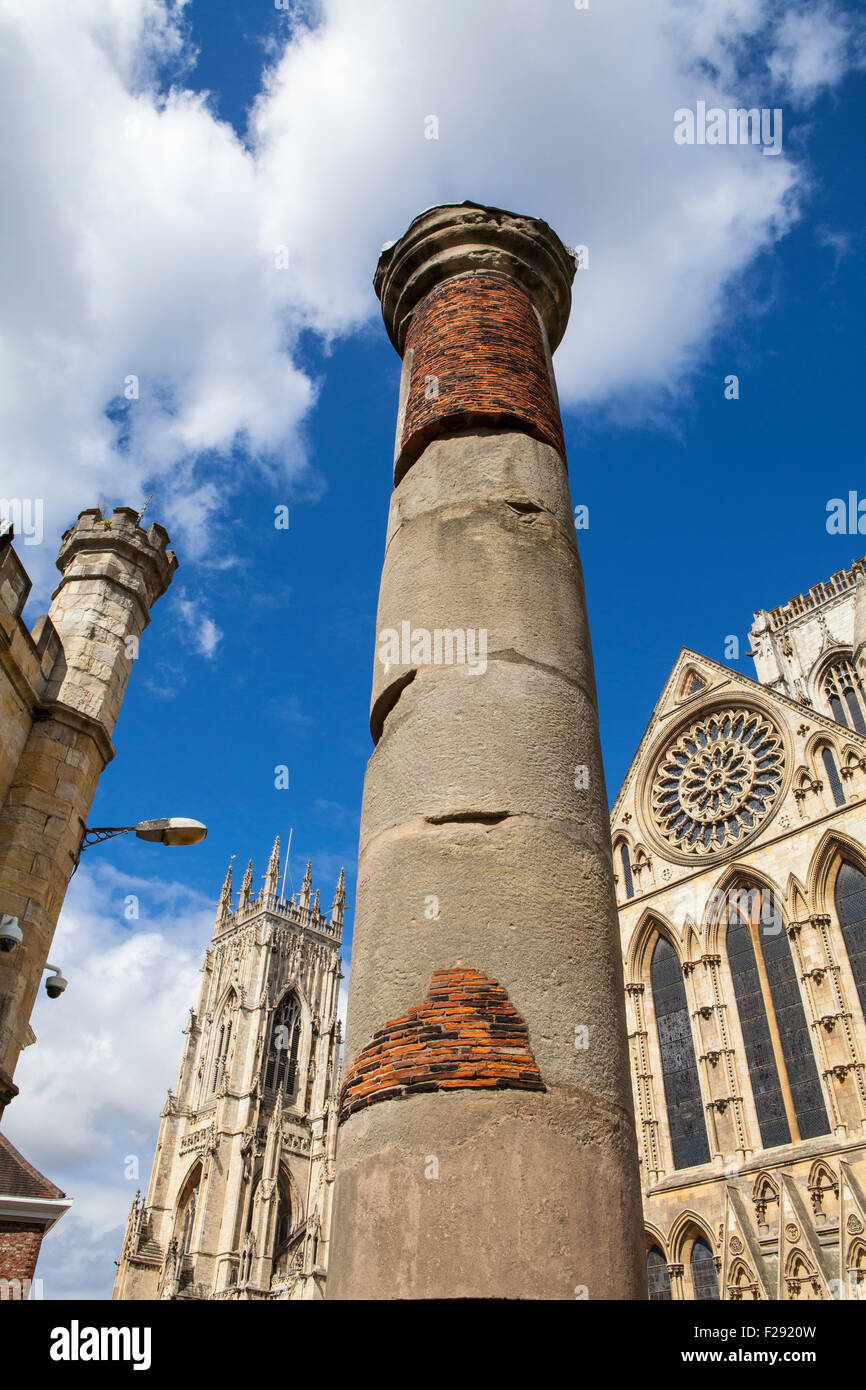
pixel 11 934
pixel 55 985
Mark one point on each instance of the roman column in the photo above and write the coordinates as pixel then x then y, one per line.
pixel 487 1145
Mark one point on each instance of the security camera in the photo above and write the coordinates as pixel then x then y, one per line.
pixel 11 934
pixel 55 984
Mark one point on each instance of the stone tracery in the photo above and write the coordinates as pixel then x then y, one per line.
pixel 718 782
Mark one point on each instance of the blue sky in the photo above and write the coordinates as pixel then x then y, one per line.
pixel 701 509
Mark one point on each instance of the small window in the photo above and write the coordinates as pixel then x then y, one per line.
pixel 658 1279
pixel 705 1281
pixel 833 777
pixel 844 694
pixel 626 870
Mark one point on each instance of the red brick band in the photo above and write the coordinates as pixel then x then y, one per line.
pixel 466 1033
pixel 479 360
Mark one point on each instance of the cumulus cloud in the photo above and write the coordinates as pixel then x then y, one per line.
pixel 93 1085
pixel 159 270
pixel 813 51
pixel 197 628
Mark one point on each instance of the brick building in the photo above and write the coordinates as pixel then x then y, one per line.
pixel 29 1206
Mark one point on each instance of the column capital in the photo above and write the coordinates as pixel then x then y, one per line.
pixel 459 239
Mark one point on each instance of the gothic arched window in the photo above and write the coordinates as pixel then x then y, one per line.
pixel 765 983
pixel 281 1067
pixel 833 777
pixel 284 1215
pixel 679 1069
pixel 221 1050
pixel 186 1209
pixel 851 911
pixel 626 870
pixel 705 1282
pixel 658 1279
pixel 844 695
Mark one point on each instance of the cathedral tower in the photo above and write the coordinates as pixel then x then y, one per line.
pixel 240 1194
pixel 487 1144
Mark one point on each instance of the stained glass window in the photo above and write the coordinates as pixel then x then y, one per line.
pixel 851 911
pixel 833 776
pixel 626 871
pixel 704 1278
pixel 842 683
pixel 794 1035
pixel 679 1069
pixel 657 1276
pixel 766 1088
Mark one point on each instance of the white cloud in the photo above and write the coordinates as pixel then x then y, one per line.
pixel 812 52
pixel 144 239
pixel 197 628
pixel 108 1049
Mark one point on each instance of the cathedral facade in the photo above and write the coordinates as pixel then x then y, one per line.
pixel 239 1202
pixel 739 840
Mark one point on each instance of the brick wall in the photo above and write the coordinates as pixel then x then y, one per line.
pixel 19 1249
pixel 480 338
pixel 466 1033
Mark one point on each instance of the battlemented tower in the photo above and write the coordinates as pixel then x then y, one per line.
pixel 487 1144
pixel 239 1201
pixel 811 648
pixel 60 694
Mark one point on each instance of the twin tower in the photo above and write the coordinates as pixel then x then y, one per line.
pixel 486 1144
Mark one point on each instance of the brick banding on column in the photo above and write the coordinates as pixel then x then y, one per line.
pixel 480 338
pixel 465 1034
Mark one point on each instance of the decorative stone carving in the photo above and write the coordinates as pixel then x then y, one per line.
pixel 715 786
pixel 854 1225
pixel 735 1245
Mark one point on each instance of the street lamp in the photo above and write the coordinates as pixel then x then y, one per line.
pixel 173 830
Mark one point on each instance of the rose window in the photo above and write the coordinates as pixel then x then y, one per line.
pixel 718 782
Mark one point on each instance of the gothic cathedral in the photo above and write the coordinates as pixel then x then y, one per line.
pixel 239 1201
pixel 739 840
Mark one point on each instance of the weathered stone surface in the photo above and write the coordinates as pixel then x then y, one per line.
pixel 487 1192
pixel 485 849
pixel 523 900
pixel 503 743
pixel 494 465
pixel 501 573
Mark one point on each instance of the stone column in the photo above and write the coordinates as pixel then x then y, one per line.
pixel 113 572
pixel 487 1144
